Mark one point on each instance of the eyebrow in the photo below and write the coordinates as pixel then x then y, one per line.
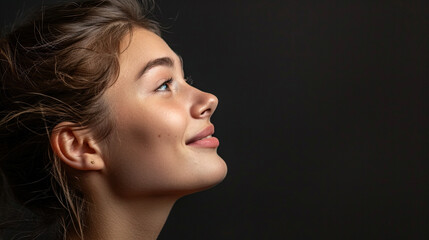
pixel 163 61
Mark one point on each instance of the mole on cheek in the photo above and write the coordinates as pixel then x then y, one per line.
pixel 159 135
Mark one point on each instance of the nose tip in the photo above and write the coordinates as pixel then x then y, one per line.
pixel 205 106
pixel 211 105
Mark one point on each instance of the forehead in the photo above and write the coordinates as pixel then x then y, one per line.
pixel 141 45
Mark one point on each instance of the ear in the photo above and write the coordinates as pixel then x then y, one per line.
pixel 76 147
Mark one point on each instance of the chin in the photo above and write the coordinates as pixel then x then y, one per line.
pixel 210 177
pixel 213 177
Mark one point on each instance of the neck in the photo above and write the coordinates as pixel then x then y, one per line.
pixel 127 219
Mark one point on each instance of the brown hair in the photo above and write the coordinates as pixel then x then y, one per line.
pixel 55 68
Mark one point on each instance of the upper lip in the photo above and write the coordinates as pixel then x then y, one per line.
pixel 204 133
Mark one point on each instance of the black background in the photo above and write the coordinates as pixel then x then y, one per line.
pixel 322 116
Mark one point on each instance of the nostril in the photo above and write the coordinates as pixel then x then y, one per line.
pixel 206 111
pixel 204 105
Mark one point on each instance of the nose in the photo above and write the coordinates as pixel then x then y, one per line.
pixel 204 105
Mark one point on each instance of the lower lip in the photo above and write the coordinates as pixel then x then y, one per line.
pixel 211 142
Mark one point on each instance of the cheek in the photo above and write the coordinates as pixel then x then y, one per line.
pixel 146 122
pixel 148 128
pixel 147 148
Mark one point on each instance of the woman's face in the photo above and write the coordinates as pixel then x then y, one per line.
pixel 156 147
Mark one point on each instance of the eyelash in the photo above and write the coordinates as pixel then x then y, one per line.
pixel 167 83
pixel 189 80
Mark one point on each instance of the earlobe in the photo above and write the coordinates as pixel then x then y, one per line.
pixel 76 147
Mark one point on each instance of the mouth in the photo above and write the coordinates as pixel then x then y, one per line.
pixel 204 139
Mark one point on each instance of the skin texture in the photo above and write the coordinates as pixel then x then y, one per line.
pixel 133 178
pixel 153 124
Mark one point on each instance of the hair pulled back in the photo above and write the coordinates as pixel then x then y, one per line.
pixel 54 68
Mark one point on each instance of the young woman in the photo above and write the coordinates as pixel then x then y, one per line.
pixel 100 131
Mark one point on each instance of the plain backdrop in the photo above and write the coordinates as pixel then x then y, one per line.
pixel 322 118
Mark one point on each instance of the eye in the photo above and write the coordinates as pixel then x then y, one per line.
pixel 165 86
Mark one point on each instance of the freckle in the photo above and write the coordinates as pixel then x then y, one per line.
pixel 159 135
pixel 168 134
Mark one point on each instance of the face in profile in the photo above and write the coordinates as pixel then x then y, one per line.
pixel 162 139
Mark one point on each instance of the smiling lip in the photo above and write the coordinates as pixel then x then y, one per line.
pixel 204 139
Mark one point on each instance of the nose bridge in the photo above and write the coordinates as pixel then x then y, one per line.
pixel 203 103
